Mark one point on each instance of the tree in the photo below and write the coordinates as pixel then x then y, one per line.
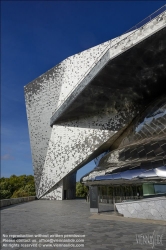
pixel 81 190
pixel 5 194
pixel 17 186
pixel 19 193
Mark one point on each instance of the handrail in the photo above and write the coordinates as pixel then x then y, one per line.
pixel 149 18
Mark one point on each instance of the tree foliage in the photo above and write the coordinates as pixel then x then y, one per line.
pixel 17 186
pixel 81 190
pixel 24 186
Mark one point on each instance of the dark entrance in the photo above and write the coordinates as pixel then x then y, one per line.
pixel 64 194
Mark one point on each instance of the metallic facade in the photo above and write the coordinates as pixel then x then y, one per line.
pixel 141 155
pixel 85 105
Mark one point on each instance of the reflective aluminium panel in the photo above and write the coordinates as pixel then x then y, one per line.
pixel 141 153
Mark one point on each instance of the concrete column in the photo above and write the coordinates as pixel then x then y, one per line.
pixel 69 186
pixel 94 200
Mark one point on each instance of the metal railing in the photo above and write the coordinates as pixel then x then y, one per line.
pixel 148 19
pixel 134 28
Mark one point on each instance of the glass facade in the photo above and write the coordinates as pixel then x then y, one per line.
pixel 111 194
pixel 154 189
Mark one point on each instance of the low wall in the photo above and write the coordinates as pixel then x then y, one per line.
pixel 149 208
pixel 8 202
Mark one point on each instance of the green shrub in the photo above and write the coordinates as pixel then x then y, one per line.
pixel 81 190
pixel 17 186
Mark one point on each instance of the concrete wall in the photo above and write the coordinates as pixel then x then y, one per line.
pixel 69 186
pixel 8 202
pixel 150 208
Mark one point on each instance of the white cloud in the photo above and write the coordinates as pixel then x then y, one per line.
pixel 7 157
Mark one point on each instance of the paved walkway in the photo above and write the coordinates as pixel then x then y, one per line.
pixel 72 218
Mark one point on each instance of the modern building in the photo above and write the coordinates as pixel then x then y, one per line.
pixel 108 100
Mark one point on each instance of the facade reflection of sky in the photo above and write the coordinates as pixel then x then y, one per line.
pixel 135 173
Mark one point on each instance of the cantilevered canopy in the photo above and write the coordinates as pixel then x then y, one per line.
pixel 134 78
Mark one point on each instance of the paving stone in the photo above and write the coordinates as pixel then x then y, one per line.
pixel 102 231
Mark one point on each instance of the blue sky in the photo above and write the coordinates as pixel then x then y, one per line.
pixel 37 35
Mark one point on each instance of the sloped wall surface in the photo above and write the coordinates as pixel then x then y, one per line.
pixel 151 208
pixel 61 149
